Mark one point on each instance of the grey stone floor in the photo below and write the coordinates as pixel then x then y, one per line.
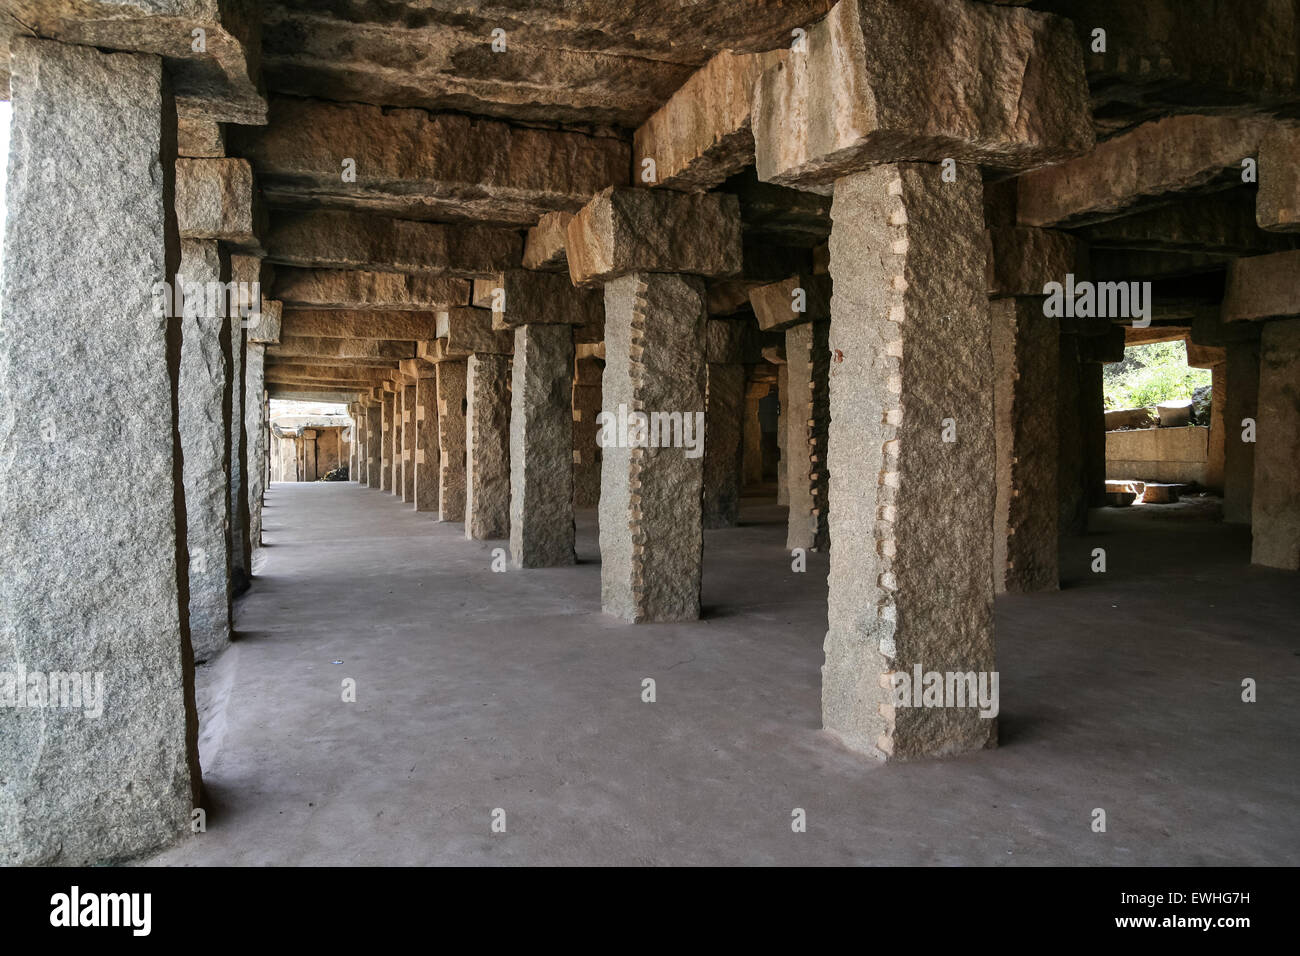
pixel 479 690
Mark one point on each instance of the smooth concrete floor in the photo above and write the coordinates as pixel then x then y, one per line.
pixel 479 690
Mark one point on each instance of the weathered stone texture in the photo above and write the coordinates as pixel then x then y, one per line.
pixel 1022 260
pixel 586 430
pixel 541 448
pixel 776 304
pixel 544 247
pixel 641 230
pixel 347 324
pixel 468 331
pixel 388 430
pixel 782 434
pixel 418 165
pixel 200 138
pixel 1242 402
pixel 203 403
pixel 426 443
pixel 1276 506
pixel 544 298
pixel 1263 287
pixel 702 135
pixel 487 447
pixel 724 426
pixel 408 442
pixel 1025 367
pixel 807 351
pixel 925 80
pixel 256 448
pixel 911 515
pixel 374 443
pixel 1277 203
pixel 347 289
pixel 216 199
pixel 650 531
pixel 91 579
pixel 1138 168
pixel 451 441
pixel 333 239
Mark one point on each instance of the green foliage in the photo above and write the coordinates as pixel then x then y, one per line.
pixel 1151 374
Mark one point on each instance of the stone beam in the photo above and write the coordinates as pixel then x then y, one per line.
pixel 355 324
pixel 1263 287
pixel 418 165
pixel 316 347
pixel 648 231
pixel 470 330
pixel 924 81
pixel 1277 203
pixel 544 298
pixel 544 246
pixel 221 82
pixel 790 302
pixel 1141 168
pixel 1222 222
pixel 369 291
pixel 333 239
pixel 702 135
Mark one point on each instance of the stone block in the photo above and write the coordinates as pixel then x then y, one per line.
pixel 777 305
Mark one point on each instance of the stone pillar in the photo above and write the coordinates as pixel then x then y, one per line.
pixel 782 434
pixel 352 445
pixel 1276 506
pixel 451 440
pixel 388 427
pixel 310 455
pixel 1025 366
pixel 203 403
pixel 541 447
pixel 258 446
pixel 725 427
pixel 93 547
pixel 240 546
pixel 1214 462
pixel 911 512
pixel 426 441
pixel 586 448
pixel 487 447
pixel 374 442
pixel 807 355
pixel 408 442
pixel 752 458
pixel 651 532
pixel 1072 508
pixel 1092 420
pixel 1242 402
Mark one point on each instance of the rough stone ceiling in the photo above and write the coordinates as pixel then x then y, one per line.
pixel 589 62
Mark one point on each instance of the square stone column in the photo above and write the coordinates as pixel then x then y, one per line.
pixel 782 434
pixel 724 429
pixel 310 455
pixel 257 448
pixel 374 442
pixel 398 437
pixel 241 551
pixel 651 250
pixel 93 547
pixel 426 441
pixel 388 426
pixel 541 447
pixel 451 440
pixel 1241 402
pixel 651 529
pixel 1214 461
pixel 911 512
pixel 752 456
pixel 1276 505
pixel 408 442
pixel 586 449
pixel 203 405
pixel 487 447
pixel 807 355
pixel 352 446
pixel 1025 367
